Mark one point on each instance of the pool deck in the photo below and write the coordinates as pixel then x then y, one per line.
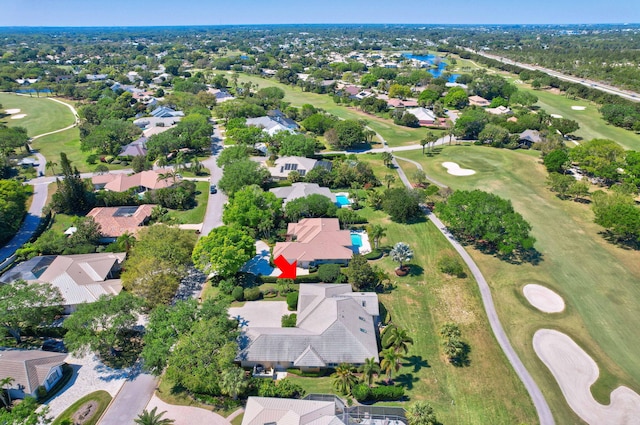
pixel 366 245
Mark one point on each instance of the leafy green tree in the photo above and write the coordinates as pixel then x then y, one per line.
pixel 360 273
pixel 556 161
pixel 242 173
pixel 349 133
pixel 232 154
pixel 494 135
pixel 564 126
pixel 399 91
pixel 421 413
pixel 523 98
pixel 194 131
pixel 618 214
pixel 318 123
pixel 253 209
pixel 311 206
pixel 140 163
pixel 27 412
pixel 24 305
pixel 455 349
pixel 109 136
pixel 344 378
pixel 12 138
pixel 153 418
pixel 102 326
pixel 13 198
pixel 166 324
pixel 488 219
pixel 578 190
pixel 401 204
pixel 223 251
pixel 456 98
pixel 428 97
pixel 491 86
pixel 155 281
pixel 376 232
pixel 560 183
pixel 600 158
pixel 295 144
pixel 328 272
pixel 470 123
pixel 369 369
pixel 632 168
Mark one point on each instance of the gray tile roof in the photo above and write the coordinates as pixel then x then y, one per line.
pixel 301 190
pixel 332 327
pixel 286 411
pixel 28 368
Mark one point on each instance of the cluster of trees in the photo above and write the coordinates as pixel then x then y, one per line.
pixel 223 251
pixel 487 220
pixel 618 213
pixel 456 350
pixel 192 132
pixel 13 198
pixel 73 194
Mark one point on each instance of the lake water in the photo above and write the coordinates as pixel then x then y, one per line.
pixel 431 59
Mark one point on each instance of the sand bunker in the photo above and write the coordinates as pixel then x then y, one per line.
pixel 12 111
pixel 544 299
pixel 555 116
pixel 575 372
pixel 18 116
pixel 578 108
pixel 453 168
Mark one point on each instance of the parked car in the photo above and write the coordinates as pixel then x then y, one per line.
pixel 213 189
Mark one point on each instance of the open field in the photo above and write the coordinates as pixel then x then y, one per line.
pixel 597 280
pixel 394 135
pixel 43 115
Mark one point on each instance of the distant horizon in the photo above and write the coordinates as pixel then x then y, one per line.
pixel 162 13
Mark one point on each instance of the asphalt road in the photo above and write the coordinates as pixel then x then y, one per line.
pixel 540 403
pixel 213 216
pixel 627 94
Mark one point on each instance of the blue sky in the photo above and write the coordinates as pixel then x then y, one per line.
pixel 219 12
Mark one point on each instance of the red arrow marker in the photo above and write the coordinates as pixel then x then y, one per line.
pixel 288 270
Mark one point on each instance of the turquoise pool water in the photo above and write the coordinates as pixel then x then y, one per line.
pixel 356 240
pixel 342 200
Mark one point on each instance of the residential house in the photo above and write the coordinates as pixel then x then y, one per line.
pixel 166 112
pixel 143 181
pixel 30 369
pixel 27 81
pixel 136 148
pixel 221 95
pixel 478 101
pixel 528 137
pixel 500 110
pixel 425 116
pixel 334 325
pixel 301 190
pixel 273 122
pixel 400 103
pixel 151 122
pixel 80 278
pixel 314 241
pixel 96 77
pixel 286 164
pixel 116 221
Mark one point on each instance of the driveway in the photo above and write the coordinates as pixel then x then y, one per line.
pixel 264 314
pixel 131 400
pixel 185 415
pixel 89 375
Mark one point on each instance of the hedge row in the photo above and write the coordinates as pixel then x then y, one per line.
pixel 362 393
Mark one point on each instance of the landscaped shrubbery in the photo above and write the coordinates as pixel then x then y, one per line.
pixel 292 300
pixel 451 266
pixel 362 393
pixel 281 389
pixel 252 294
pixel 329 273
pixel 289 320
pixel 238 293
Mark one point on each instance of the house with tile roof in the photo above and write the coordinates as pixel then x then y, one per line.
pixel 287 411
pixel 314 241
pixel 116 221
pixel 81 278
pixel 143 181
pixel 286 164
pixel 30 369
pixel 529 137
pixel 478 101
pixel 334 325
pixel 301 190
pixel 425 116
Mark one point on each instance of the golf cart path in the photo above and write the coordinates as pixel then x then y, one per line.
pixel 540 403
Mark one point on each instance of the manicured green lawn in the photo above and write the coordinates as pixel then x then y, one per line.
pixel 194 215
pixel 598 281
pixel 394 135
pixel 101 397
pixel 43 115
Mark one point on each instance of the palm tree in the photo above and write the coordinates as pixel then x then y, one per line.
pixel 233 381
pixel 431 139
pixel 397 338
pixel 421 413
pixel 450 134
pixel 344 378
pixel 376 232
pixel 151 418
pixel 369 369
pixel 389 178
pixel 171 174
pixel 52 166
pixel 391 361
pixel 423 143
pixel 5 397
pixel 401 253
pixel 387 158
pixel 375 199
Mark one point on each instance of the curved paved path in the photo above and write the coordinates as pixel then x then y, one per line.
pixel 540 403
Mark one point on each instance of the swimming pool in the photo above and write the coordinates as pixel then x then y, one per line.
pixel 342 200
pixel 356 240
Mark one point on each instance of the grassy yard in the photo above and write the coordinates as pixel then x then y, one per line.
pixel 597 280
pixel 101 397
pixel 194 215
pixel 394 135
pixel 43 115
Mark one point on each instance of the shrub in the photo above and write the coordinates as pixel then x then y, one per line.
pixel 227 286
pixel 284 388
pixel 238 293
pixel 292 300
pixel 361 392
pixel 451 266
pixel 386 393
pixel 252 294
pixel 328 272
pixel 92 159
pixel 373 255
pixel 289 321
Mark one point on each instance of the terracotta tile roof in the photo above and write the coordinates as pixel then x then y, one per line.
pixel 115 221
pixel 122 182
pixel 316 239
